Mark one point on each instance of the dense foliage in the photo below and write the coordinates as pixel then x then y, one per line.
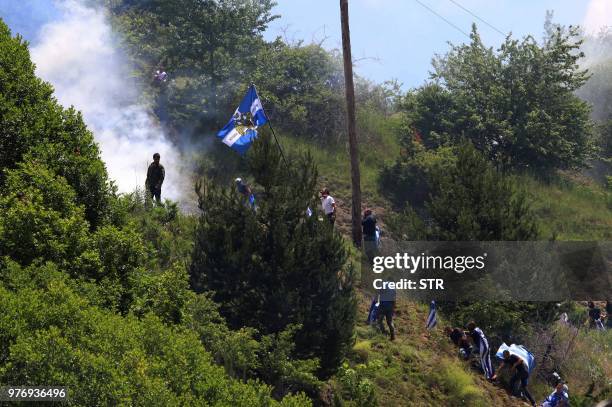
pixel 93 286
pixel 460 197
pixel 272 266
pixel 34 127
pixel 516 105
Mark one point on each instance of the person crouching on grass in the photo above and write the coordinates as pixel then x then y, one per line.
pixel 521 374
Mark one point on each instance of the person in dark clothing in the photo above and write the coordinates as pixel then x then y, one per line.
pixel 155 178
pixel 595 317
pixel 459 338
pixel 368 223
pixel 521 374
pixel 609 314
pixel 386 310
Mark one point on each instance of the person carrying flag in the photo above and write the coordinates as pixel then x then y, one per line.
pixel 480 341
pixel 459 338
pixel 558 398
pixel 521 374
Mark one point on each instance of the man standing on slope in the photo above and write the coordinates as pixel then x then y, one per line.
pixel 368 224
pixel 329 205
pixel 480 341
pixel 155 178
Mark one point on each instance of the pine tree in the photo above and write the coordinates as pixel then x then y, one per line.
pixel 472 201
pixel 274 266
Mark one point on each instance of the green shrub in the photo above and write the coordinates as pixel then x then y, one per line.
pixel 34 127
pixel 52 335
pixel 41 220
pixel 459 386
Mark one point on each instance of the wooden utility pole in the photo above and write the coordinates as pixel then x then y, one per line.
pixel 352 132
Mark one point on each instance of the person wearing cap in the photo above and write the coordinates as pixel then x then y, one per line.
pixel 245 189
pixel 155 178
pixel 559 397
pixel 329 205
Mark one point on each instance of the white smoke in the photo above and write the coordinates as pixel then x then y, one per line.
pixel 78 55
pixel 598 15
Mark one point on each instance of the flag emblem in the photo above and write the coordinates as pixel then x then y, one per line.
pixel 241 130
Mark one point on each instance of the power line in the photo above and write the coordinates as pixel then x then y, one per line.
pixel 474 15
pixel 447 21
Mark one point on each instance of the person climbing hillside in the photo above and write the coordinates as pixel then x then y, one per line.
pixel 520 374
pixel 594 319
pixel 558 398
pixel 329 205
pixel 245 190
pixel 480 342
pixel 160 76
pixel 386 309
pixel 459 338
pixel 155 178
pixel 368 223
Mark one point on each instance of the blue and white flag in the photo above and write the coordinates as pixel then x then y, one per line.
pixel 432 320
pixel 520 351
pixel 241 130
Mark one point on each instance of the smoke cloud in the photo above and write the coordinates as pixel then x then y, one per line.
pixel 598 15
pixel 77 53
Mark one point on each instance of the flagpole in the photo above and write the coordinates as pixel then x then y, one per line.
pixel 273 132
pixel 277 143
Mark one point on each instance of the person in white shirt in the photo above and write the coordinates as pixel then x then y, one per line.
pixel 329 205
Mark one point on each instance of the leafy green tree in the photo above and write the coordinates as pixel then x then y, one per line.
pixel 52 335
pixel 33 126
pixel 41 220
pixel 517 105
pixel 274 266
pixel 303 88
pixel 206 46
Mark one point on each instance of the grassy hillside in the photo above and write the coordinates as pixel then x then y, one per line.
pixel 419 368
pixel 572 207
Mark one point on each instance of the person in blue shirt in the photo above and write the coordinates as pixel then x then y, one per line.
pixel 558 398
pixel 480 342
